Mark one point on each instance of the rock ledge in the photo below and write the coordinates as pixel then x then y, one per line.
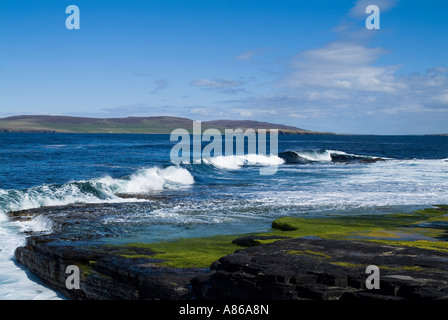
pixel 291 269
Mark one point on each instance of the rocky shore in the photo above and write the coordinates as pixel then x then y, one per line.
pixel 262 267
pixel 325 270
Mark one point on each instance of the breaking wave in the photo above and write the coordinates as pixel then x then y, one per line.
pixel 235 162
pixel 95 190
pixel 310 156
pixel 146 180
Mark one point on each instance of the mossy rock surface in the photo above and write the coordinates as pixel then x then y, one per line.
pixel 299 256
pixel 401 229
pixel 186 252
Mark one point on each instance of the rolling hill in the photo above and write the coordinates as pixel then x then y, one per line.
pixel 154 125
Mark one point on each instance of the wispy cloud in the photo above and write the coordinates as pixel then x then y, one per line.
pixel 345 79
pixel 216 83
pixel 140 110
pixel 345 75
pixel 342 65
pixel 219 85
pixel 250 54
pixel 207 112
pixel 160 84
pixel 246 55
pixel 341 86
pixel 142 74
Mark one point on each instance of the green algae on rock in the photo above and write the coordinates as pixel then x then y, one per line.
pixel 399 229
pixel 181 269
pixel 187 252
pixel 202 252
pixel 400 225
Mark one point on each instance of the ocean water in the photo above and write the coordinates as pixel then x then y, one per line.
pixel 316 175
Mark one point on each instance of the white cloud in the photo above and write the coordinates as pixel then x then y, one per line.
pixel 205 111
pixel 442 98
pixel 342 65
pixel 253 112
pixel 297 116
pixel 216 83
pixel 344 80
pixel 438 70
pixel 344 87
pixel 246 55
pixel 160 85
pixel 219 85
pixel 325 95
pixel 246 113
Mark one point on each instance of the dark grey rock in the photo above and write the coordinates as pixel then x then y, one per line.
pixel 250 241
pixel 327 270
pixel 290 269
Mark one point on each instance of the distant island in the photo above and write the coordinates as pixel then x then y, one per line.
pixel 142 125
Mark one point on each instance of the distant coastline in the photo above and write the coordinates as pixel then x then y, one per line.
pixel 133 125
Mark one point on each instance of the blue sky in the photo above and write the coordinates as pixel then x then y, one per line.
pixel 310 64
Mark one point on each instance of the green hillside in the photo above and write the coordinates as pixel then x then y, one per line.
pixel 154 125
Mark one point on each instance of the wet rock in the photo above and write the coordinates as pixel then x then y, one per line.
pixel 326 270
pixel 250 241
pixel 293 269
pixel 289 269
pixel 105 273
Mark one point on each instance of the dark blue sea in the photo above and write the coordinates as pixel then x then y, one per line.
pixel 315 175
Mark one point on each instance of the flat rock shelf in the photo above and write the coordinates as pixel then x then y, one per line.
pixel 284 269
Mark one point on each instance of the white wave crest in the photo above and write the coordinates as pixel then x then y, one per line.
pixel 146 180
pixel 235 162
pixel 40 223
pixel 96 190
pixel 329 155
pixel 320 155
pixel 45 196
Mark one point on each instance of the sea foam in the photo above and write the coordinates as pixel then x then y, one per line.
pixel 310 156
pixel 98 190
pixel 146 180
pixel 235 162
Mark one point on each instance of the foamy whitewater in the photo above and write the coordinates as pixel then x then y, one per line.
pixel 15 282
pixel 96 190
pixel 316 175
pixel 235 162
